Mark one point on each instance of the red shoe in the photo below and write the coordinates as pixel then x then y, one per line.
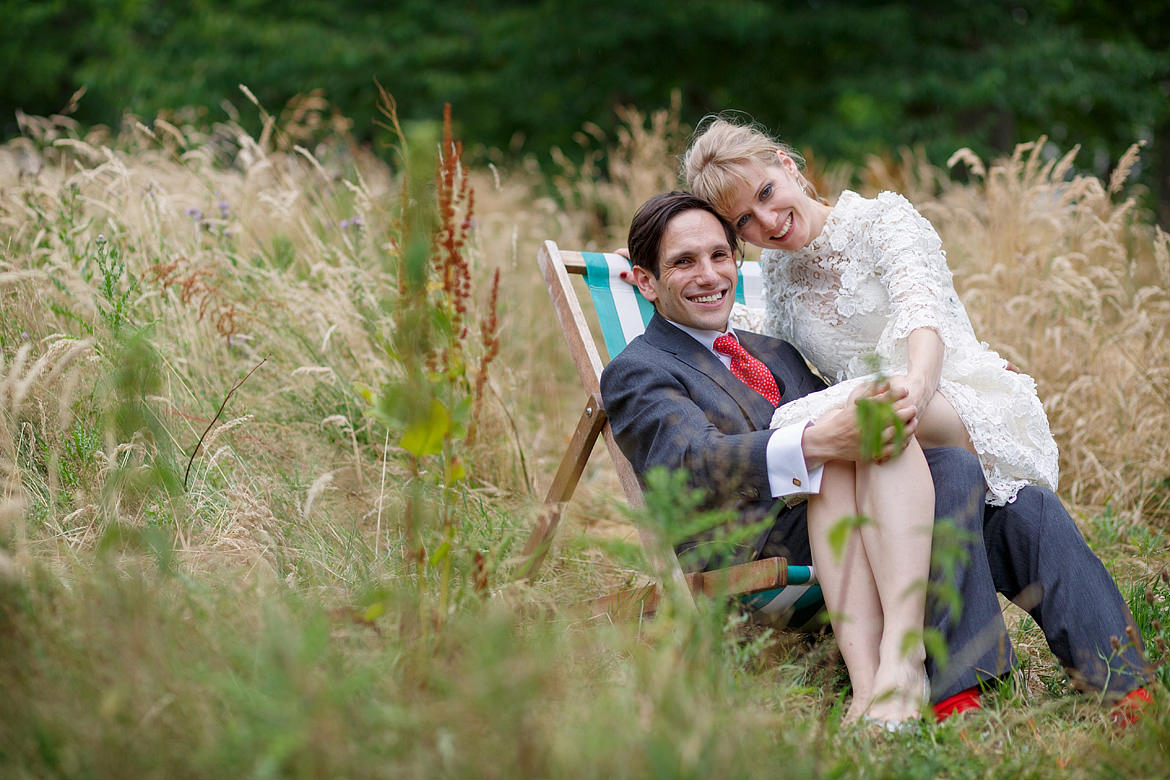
pixel 1129 710
pixel 966 699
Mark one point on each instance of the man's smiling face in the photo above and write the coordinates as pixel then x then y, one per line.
pixel 696 273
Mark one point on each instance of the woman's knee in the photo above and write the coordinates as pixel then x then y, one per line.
pixel 838 495
pixel 838 470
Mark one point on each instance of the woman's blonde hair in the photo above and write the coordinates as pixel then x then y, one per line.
pixel 714 165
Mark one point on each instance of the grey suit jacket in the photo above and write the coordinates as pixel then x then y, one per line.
pixel 672 403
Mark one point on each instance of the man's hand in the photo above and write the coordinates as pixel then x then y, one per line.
pixel 836 435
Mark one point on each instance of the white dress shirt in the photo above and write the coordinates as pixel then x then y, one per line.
pixel 788 474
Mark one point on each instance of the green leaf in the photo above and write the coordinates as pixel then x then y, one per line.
pixel 462 411
pixel 455 472
pixel 936 646
pixel 392 406
pixel 840 530
pixel 425 436
pixel 441 553
pixel 873 418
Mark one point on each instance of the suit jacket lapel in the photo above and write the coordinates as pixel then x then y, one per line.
pixel 755 407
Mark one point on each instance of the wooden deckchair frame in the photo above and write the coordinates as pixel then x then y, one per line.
pixel 556 265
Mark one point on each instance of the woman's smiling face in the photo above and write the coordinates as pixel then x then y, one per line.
pixel 770 208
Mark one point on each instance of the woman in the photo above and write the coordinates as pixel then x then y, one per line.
pixel 869 277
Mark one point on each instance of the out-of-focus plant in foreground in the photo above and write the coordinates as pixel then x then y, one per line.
pixel 431 400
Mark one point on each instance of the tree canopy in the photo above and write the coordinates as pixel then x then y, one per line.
pixel 843 78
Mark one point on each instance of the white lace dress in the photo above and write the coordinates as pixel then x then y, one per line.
pixel 876 272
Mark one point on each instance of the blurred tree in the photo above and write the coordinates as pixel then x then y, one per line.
pixel 42 45
pixel 845 77
pixel 1142 26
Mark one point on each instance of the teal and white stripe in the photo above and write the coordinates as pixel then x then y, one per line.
pixel 750 290
pixel 621 309
pixel 797 605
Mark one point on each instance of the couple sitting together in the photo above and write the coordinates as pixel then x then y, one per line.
pixel 758 431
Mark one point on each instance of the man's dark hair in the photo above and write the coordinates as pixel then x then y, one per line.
pixel 650 223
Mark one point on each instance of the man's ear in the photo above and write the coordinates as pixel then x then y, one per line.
pixel 646 283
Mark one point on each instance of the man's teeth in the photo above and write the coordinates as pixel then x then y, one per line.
pixel 713 298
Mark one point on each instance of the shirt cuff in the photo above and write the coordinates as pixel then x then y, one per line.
pixel 787 473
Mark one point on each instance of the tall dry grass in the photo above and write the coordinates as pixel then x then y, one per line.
pixel 261 620
pixel 232 251
pixel 1065 276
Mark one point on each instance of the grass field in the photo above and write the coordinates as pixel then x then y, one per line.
pixel 323 589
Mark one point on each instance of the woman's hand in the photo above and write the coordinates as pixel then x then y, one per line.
pixel 916 389
pixel 625 276
pixel 924 368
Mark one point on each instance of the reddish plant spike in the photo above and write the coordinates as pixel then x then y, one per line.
pixel 225 323
pixel 446 124
pixel 490 336
pixel 480 576
pixel 197 287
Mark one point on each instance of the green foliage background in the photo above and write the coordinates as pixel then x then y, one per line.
pixel 844 78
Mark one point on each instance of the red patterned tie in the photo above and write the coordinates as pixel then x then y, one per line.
pixel 752 372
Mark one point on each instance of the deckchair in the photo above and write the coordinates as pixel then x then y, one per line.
pixel 788 594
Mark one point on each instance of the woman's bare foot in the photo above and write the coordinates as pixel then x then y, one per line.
pixel 900 693
pixel 857 709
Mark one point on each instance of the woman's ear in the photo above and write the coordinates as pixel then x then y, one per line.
pixel 787 163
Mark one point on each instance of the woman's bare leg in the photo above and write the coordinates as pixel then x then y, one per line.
pixel 941 426
pixel 898 498
pixel 850 592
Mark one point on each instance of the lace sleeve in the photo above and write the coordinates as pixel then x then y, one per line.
pixel 746 318
pixel 912 264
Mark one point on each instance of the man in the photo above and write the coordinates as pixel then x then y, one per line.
pixel 673 401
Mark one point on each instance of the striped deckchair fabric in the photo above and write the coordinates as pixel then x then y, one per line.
pixel 787 594
pixel 798 605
